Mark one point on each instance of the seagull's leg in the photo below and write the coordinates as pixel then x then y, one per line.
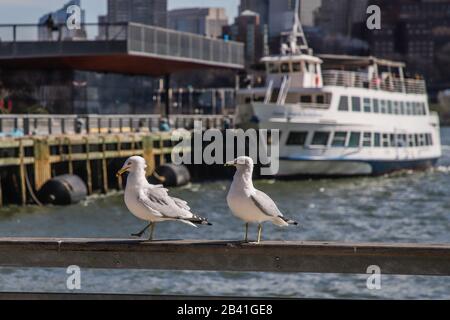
pixel 259 233
pixel 152 231
pixel 139 234
pixel 246 232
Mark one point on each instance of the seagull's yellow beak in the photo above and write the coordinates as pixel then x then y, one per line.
pixel 230 164
pixel 122 171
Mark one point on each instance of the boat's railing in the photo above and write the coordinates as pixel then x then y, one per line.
pixel 361 80
pixel 314 105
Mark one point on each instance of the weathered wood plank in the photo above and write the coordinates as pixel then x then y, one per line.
pixel 102 296
pixel 301 257
pixel 5 162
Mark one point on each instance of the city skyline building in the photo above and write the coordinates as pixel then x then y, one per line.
pixel 247 29
pixel 149 12
pixel 341 17
pixel 203 21
pixel 417 32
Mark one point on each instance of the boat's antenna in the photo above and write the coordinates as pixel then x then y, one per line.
pixel 297 39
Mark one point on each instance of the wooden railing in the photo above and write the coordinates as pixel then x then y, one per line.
pixel 17 125
pixel 278 256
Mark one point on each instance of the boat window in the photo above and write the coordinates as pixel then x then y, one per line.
pixel 413 109
pixel 385 140
pixel 377 140
pixel 320 139
pixel 422 141
pixel 416 138
pixel 339 140
pixel 297 138
pixel 396 108
pixel 355 140
pixel 274 68
pixel 376 107
pixel 258 98
pixel 408 108
pixel 402 108
pixel 389 109
pixel 411 140
pixel 392 140
pixel 343 104
pixel 367 105
pixel 356 104
pixel 417 109
pixel 367 139
pixel 297 67
pixel 404 140
pixel 383 106
pixel 320 99
pixel 285 68
pixel 429 139
pixel 306 99
pixel 425 108
pixel 401 140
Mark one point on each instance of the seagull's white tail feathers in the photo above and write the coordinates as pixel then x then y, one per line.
pixel 280 222
pixel 195 221
pixel 284 222
pixel 188 223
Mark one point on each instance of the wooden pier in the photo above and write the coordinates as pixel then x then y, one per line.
pixel 29 162
pixel 280 257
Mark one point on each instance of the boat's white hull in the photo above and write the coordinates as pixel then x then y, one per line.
pixel 329 161
pixel 330 168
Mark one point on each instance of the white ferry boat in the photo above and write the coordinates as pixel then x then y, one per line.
pixel 358 116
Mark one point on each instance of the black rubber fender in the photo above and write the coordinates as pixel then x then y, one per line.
pixel 63 190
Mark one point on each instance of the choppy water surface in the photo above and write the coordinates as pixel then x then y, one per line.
pixel 406 207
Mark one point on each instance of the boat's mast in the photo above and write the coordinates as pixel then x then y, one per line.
pixel 297 39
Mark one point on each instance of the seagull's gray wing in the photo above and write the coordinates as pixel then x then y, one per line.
pixel 158 199
pixel 181 203
pixel 266 204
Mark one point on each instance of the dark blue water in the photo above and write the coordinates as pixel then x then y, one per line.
pixel 405 207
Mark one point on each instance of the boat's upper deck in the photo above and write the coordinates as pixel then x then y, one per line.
pixel 370 73
pixel 306 71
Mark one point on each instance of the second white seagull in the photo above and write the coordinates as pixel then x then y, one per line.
pixel 152 203
pixel 250 204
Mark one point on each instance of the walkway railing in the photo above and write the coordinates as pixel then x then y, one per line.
pixel 38 125
pixel 139 37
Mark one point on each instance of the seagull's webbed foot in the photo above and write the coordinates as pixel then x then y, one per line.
pixel 139 234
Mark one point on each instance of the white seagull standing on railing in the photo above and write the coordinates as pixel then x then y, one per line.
pixel 152 203
pixel 250 204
